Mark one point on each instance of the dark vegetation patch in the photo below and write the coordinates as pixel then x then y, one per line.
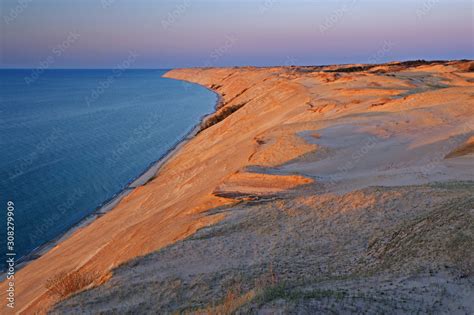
pixel 419 62
pixel 221 115
pixel 215 86
pixel 306 69
pixel 396 66
pixel 353 69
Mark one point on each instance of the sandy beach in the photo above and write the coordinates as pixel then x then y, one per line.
pixel 308 175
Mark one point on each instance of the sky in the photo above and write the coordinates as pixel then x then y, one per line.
pixel 186 33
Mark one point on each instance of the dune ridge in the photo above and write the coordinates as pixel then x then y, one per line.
pixel 282 136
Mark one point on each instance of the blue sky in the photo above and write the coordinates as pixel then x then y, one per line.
pixel 183 33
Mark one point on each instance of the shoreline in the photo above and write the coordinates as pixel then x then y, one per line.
pixel 150 172
pixel 177 220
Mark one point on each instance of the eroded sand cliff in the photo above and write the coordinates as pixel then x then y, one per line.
pixel 309 186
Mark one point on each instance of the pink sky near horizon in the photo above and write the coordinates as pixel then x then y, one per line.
pixel 184 33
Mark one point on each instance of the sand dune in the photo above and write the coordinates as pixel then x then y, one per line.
pixel 314 132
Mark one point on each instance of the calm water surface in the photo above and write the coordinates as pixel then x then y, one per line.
pixel 72 139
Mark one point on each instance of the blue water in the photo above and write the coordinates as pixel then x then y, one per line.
pixel 72 139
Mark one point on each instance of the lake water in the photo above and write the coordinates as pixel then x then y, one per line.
pixel 72 139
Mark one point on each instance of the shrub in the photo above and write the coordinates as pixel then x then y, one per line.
pixel 65 284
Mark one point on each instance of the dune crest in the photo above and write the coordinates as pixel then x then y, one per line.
pixel 337 129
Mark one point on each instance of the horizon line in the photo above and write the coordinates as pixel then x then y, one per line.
pixel 239 66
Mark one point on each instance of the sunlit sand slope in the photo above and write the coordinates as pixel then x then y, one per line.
pixel 276 194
